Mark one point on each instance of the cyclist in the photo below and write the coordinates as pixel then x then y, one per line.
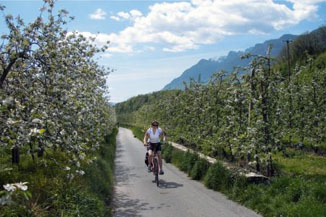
pixel 153 135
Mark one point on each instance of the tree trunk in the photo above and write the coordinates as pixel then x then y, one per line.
pixel 248 157
pixel 224 154
pixel 15 155
pixel 269 167
pixel 252 95
pixel 257 164
pixel 232 157
pixel 40 152
pixel 32 151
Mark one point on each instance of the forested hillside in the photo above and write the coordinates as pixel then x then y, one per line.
pixel 57 132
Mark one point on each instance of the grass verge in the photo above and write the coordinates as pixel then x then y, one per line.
pixel 300 163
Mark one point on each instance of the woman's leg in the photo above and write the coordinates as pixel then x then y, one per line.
pixel 160 159
pixel 150 157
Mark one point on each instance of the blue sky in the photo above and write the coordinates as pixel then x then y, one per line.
pixel 153 42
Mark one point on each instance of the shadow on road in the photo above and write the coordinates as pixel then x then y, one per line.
pixel 119 152
pixel 123 174
pixel 165 184
pixel 126 207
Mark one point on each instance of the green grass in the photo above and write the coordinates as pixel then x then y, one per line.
pixel 285 196
pixel 302 164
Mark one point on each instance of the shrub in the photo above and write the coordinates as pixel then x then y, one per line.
pixel 199 169
pixel 217 177
pixel 167 153
pixel 239 186
pixel 177 157
pixel 188 161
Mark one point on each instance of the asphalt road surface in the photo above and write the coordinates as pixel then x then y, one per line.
pixel 178 196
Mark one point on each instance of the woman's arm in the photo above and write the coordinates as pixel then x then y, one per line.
pixel 145 138
pixel 163 135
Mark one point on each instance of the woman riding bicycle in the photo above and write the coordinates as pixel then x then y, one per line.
pixel 153 134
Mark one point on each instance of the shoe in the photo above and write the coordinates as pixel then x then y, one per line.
pixel 149 168
pixel 161 172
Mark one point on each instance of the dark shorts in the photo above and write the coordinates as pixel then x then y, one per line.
pixel 155 146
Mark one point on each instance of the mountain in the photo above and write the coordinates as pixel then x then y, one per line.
pixel 207 67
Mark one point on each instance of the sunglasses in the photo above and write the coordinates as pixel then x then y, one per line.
pixel 155 125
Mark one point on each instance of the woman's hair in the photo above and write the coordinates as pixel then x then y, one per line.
pixel 155 123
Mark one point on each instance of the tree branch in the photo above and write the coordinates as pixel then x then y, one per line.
pixel 10 65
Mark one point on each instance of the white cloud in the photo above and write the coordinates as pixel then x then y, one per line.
pixel 135 13
pixel 181 26
pixel 305 8
pixel 116 44
pixel 115 18
pixel 132 15
pixel 124 15
pixel 99 14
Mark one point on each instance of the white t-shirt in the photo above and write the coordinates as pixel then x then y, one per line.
pixel 154 138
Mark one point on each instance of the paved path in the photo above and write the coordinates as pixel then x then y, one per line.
pixel 178 196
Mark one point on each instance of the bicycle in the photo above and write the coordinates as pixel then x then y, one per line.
pixel 155 166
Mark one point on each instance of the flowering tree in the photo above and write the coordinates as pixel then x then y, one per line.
pixel 52 91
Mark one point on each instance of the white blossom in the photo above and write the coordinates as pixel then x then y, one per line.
pixel 37 121
pixel 13 187
pixel 81 172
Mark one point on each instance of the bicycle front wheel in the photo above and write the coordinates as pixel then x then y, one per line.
pixel 156 172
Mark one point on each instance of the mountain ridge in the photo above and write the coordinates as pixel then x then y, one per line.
pixel 206 67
